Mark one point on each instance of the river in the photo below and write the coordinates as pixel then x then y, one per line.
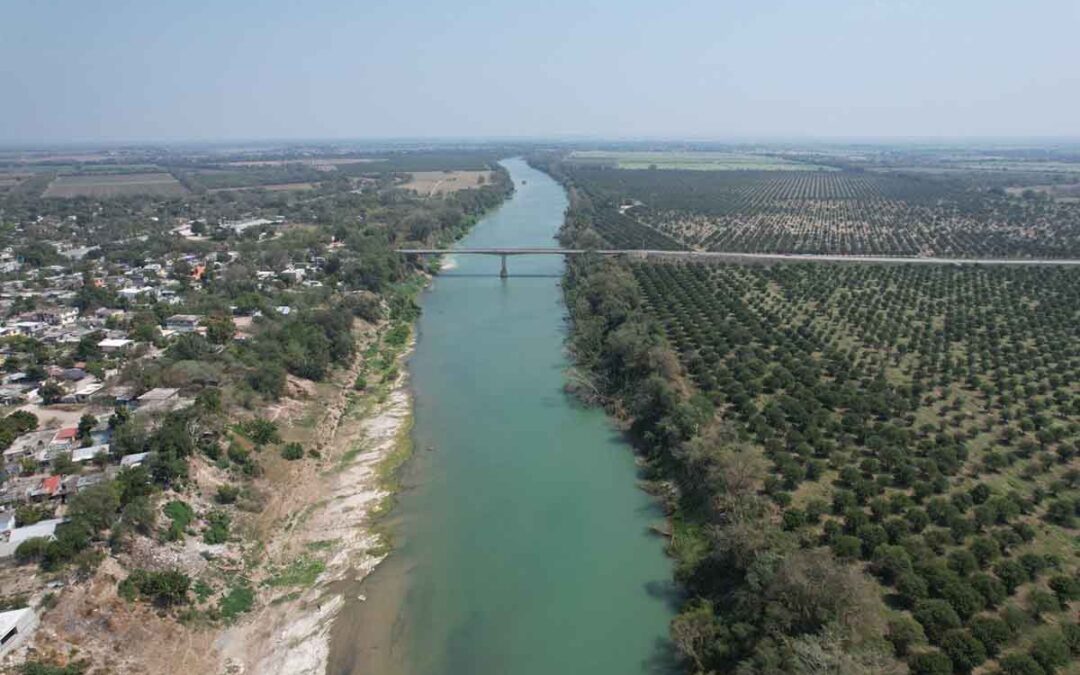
pixel 522 543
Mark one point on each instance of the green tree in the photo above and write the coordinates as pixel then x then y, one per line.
pixel 992 632
pixel 965 652
pixel 220 329
pixel 62 465
pixel 904 632
pixel 1050 650
pixel 1020 664
pixel 51 393
pixel 937 618
pixel 86 424
pixel 930 663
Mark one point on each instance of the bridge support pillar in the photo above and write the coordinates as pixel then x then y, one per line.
pixel 503 273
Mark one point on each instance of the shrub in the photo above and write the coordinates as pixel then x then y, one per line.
pixel 260 431
pixel 42 668
pixel 28 514
pixel 31 550
pixel 217 532
pixel 292 451
pixel 226 494
pixel 163 588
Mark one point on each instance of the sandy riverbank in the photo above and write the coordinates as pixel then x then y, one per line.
pixel 332 508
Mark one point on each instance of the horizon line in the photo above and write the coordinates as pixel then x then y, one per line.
pixel 913 139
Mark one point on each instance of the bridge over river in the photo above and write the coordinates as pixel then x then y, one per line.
pixel 737 257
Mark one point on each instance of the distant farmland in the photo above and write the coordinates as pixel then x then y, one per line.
pixel 432 183
pixel 160 184
pixel 700 161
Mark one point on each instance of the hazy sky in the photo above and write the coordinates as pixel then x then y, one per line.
pixel 157 69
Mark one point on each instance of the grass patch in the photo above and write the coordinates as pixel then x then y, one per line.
pixel 180 514
pixel 321 545
pixel 237 601
pixel 301 572
pixel 202 590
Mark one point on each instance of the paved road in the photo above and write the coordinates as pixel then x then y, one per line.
pixel 747 257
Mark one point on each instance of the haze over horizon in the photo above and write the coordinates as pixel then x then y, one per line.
pixel 127 71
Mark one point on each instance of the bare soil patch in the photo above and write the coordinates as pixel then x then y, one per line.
pixel 434 183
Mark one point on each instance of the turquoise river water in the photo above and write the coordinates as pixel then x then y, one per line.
pixel 522 543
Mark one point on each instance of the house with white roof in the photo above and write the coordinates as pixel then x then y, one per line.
pixel 45 529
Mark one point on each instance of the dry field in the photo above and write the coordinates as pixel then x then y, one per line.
pixel 432 183
pixel 115 185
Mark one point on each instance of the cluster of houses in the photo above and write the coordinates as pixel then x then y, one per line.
pixel 29 462
pixel 41 303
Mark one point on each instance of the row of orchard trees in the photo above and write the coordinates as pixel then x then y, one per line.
pixel 759 601
pixel 842 212
pixel 818 380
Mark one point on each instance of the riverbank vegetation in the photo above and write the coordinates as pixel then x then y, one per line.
pixel 864 466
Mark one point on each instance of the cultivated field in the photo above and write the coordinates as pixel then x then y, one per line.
pixel 435 183
pixel 922 423
pixel 843 212
pixel 697 161
pixel 115 185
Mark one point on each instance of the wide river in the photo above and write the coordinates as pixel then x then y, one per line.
pixel 522 543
